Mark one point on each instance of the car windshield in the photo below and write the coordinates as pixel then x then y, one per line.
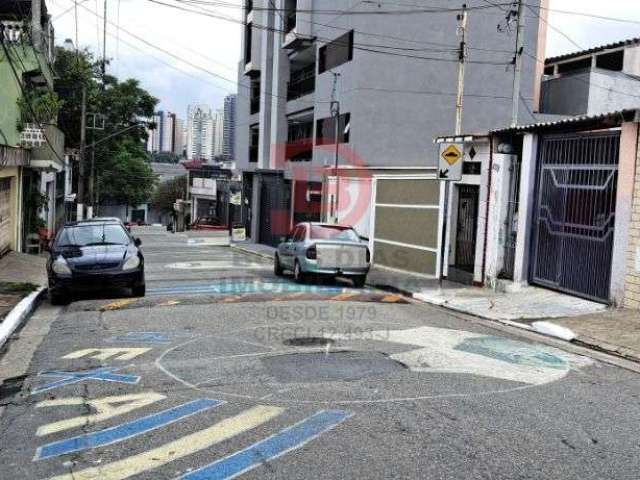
pixel 97 234
pixel 329 232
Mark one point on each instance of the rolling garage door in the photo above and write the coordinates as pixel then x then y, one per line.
pixel 6 227
pixel 575 213
pixel 406 224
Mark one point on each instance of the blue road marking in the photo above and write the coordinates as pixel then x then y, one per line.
pixel 100 374
pixel 125 430
pixel 142 337
pixel 235 288
pixel 272 447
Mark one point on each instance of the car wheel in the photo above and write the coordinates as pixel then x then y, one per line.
pixel 139 290
pixel 298 275
pixel 58 298
pixel 277 268
pixel 359 280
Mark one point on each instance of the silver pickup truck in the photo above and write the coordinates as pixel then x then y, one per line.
pixel 323 249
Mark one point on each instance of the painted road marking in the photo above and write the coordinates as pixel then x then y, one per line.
pixel 459 351
pixel 344 296
pixel 118 304
pixel 272 447
pixel 144 337
pixel 124 431
pixel 107 353
pixel 107 407
pixel 179 448
pixel 237 288
pixel 100 374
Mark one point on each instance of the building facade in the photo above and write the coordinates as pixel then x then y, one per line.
pixel 383 89
pixel 229 132
pixel 200 133
pixel 167 137
pixel 218 138
pixel 598 80
pixel 32 157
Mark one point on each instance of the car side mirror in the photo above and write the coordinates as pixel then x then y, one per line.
pixel 137 242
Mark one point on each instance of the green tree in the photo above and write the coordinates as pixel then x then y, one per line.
pixel 168 192
pixel 126 178
pixel 120 160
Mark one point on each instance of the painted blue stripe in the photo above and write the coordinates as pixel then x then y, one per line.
pixel 125 430
pixel 269 448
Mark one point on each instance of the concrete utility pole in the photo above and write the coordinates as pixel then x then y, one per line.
pixel 335 112
pixel 462 58
pixel 517 71
pixel 83 142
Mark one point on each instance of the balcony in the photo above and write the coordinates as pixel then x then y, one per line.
pixel 254 105
pixel 302 82
pixel 253 154
pixel 14 32
pixel 47 146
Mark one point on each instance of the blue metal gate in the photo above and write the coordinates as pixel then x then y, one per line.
pixel 575 213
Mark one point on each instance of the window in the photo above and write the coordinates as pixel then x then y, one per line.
pixel 611 61
pixel 336 53
pixel 325 130
pixel 333 232
pixel 254 136
pixel 575 65
pixel 254 95
pixel 291 6
pixel 300 234
pixel 247 42
pixel 87 235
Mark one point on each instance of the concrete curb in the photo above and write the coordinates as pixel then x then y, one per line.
pixel 252 252
pixel 586 342
pixel 19 314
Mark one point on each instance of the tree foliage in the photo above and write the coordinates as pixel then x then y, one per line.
pixel 168 192
pixel 122 174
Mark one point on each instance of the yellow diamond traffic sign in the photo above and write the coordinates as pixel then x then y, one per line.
pixel 451 154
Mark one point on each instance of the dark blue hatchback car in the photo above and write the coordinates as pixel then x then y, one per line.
pixel 94 254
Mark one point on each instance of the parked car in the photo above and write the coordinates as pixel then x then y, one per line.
pixel 208 223
pixel 94 254
pixel 323 249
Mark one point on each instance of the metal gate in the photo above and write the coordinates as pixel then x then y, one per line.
pixel 575 213
pixel 6 229
pixel 275 198
pixel 467 227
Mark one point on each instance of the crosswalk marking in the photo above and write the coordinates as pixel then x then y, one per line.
pixel 272 447
pixel 125 430
pixel 177 449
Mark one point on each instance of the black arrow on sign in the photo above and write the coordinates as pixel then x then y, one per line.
pixel 443 174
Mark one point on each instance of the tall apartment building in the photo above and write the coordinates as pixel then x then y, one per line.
pixel 229 135
pixel 218 138
pixel 167 135
pixel 391 71
pixel 200 133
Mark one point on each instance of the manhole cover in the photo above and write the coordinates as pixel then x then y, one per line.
pixel 309 342
pixel 322 367
pixel 11 386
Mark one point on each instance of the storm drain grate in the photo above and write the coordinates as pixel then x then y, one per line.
pixel 309 342
pixel 10 387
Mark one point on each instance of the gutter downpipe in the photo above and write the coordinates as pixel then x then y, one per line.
pixel 486 221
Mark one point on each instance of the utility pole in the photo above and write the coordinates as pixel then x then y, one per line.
pixel 83 141
pixel 335 112
pixel 461 32
pixel 104 43
pixel 462 57
pixel 517 71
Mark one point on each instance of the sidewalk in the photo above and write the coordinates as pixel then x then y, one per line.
pixel 595 326
pixel 22 282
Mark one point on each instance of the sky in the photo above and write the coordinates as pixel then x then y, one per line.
pixel 203 49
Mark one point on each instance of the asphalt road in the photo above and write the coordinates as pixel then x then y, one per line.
pixel 224 370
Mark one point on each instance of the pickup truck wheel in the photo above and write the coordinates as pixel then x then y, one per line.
pixel 277 268
pixel 298 275
pixel 359 280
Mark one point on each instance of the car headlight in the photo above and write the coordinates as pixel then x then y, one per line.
pixel 60 266
pixel 131 263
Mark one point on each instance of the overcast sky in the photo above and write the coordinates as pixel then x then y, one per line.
pixel 214 44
